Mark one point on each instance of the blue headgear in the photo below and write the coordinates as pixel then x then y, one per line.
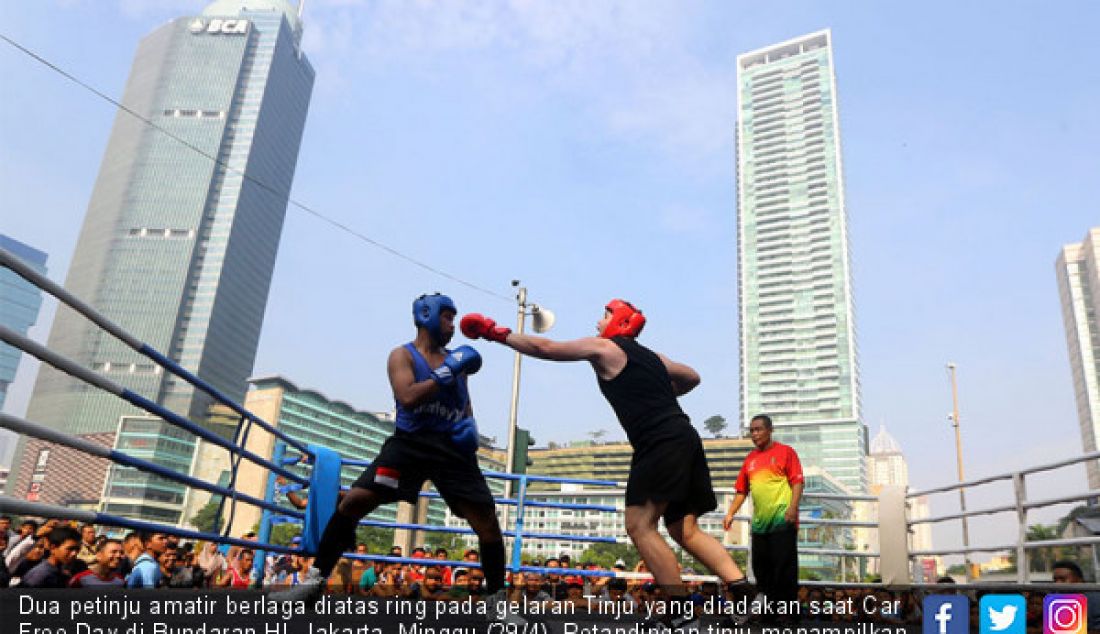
pixel 426 312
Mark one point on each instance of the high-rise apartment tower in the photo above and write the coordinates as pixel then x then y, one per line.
pixel 1078 269
pixel 798 351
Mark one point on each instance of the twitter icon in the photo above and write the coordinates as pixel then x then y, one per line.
pixel 1003 614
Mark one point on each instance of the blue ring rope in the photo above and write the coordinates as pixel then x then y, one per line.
pixel 180 421
pixel 181 372
pixel 20 268
pixel 152 467
pixel 238 452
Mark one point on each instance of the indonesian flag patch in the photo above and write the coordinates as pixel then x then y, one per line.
pixel 387 477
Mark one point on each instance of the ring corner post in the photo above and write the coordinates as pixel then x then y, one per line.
pixel 517 539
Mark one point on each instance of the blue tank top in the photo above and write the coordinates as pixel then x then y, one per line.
pixel 439 414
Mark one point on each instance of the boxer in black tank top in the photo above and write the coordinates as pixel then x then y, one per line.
pixel 669 477
pixel 431 442
pixel 641 394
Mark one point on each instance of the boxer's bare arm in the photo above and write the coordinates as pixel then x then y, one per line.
pixel 406 390
pixel 684 377
pixel 606 358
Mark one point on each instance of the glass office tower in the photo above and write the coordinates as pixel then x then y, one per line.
pixel 179 241
pixel 798 352
pixel 19 304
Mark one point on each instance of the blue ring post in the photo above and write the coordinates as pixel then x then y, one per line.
pixel 260 561
pixel 517 542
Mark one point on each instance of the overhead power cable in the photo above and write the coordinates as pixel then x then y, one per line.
pixel 281 194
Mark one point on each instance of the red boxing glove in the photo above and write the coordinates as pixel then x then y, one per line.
pixel 477 326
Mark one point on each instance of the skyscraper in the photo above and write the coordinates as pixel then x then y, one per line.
pixel 19 304
pixel 179 241
pixel 887 464
pixel 888 467
pixel 798 352
pixel 1078 269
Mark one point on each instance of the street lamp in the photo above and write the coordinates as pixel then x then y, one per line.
pixel 542 320
pixel 954 418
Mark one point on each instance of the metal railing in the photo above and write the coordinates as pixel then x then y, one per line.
pixel 1020 506
pixel 891 519
pixel 517 531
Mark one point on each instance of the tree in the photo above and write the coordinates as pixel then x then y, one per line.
pixel 849 564
pixel 605 555
pixel 452 542
pixel 1083 556
pixel 956 570
pixel 379 540
pixel 741 558
pixel 1043 558
pixel 715 425
pixel 206 517
pixel 597 434
pixel 282 534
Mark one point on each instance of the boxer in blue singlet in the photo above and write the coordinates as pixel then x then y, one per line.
pixel 435 439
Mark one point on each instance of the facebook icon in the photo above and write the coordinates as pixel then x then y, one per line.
pixel 946 614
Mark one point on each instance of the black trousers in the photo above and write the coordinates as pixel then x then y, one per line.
pixel 775 563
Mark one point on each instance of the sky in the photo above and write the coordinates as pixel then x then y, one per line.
pixel 586 149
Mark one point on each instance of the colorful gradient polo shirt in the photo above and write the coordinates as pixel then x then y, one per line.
pixel 768 475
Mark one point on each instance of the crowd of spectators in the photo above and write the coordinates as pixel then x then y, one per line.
pixel 57 554
pixel 540 591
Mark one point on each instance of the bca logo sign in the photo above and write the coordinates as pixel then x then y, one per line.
pixel 217 25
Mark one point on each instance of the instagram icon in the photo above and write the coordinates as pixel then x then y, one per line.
pixel 1064 614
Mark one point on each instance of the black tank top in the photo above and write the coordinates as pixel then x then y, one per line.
pixel 642 395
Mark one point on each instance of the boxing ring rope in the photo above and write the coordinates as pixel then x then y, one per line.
pixel 70 367
pixel 235 448
pixel 518 535
pixel 37 509
pixel 42 432
pixel 270 518
pixel 10 261
pixel 272 512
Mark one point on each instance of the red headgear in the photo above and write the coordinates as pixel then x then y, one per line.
pixel 625 320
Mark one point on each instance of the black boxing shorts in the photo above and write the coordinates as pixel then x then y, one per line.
pixel 407 459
